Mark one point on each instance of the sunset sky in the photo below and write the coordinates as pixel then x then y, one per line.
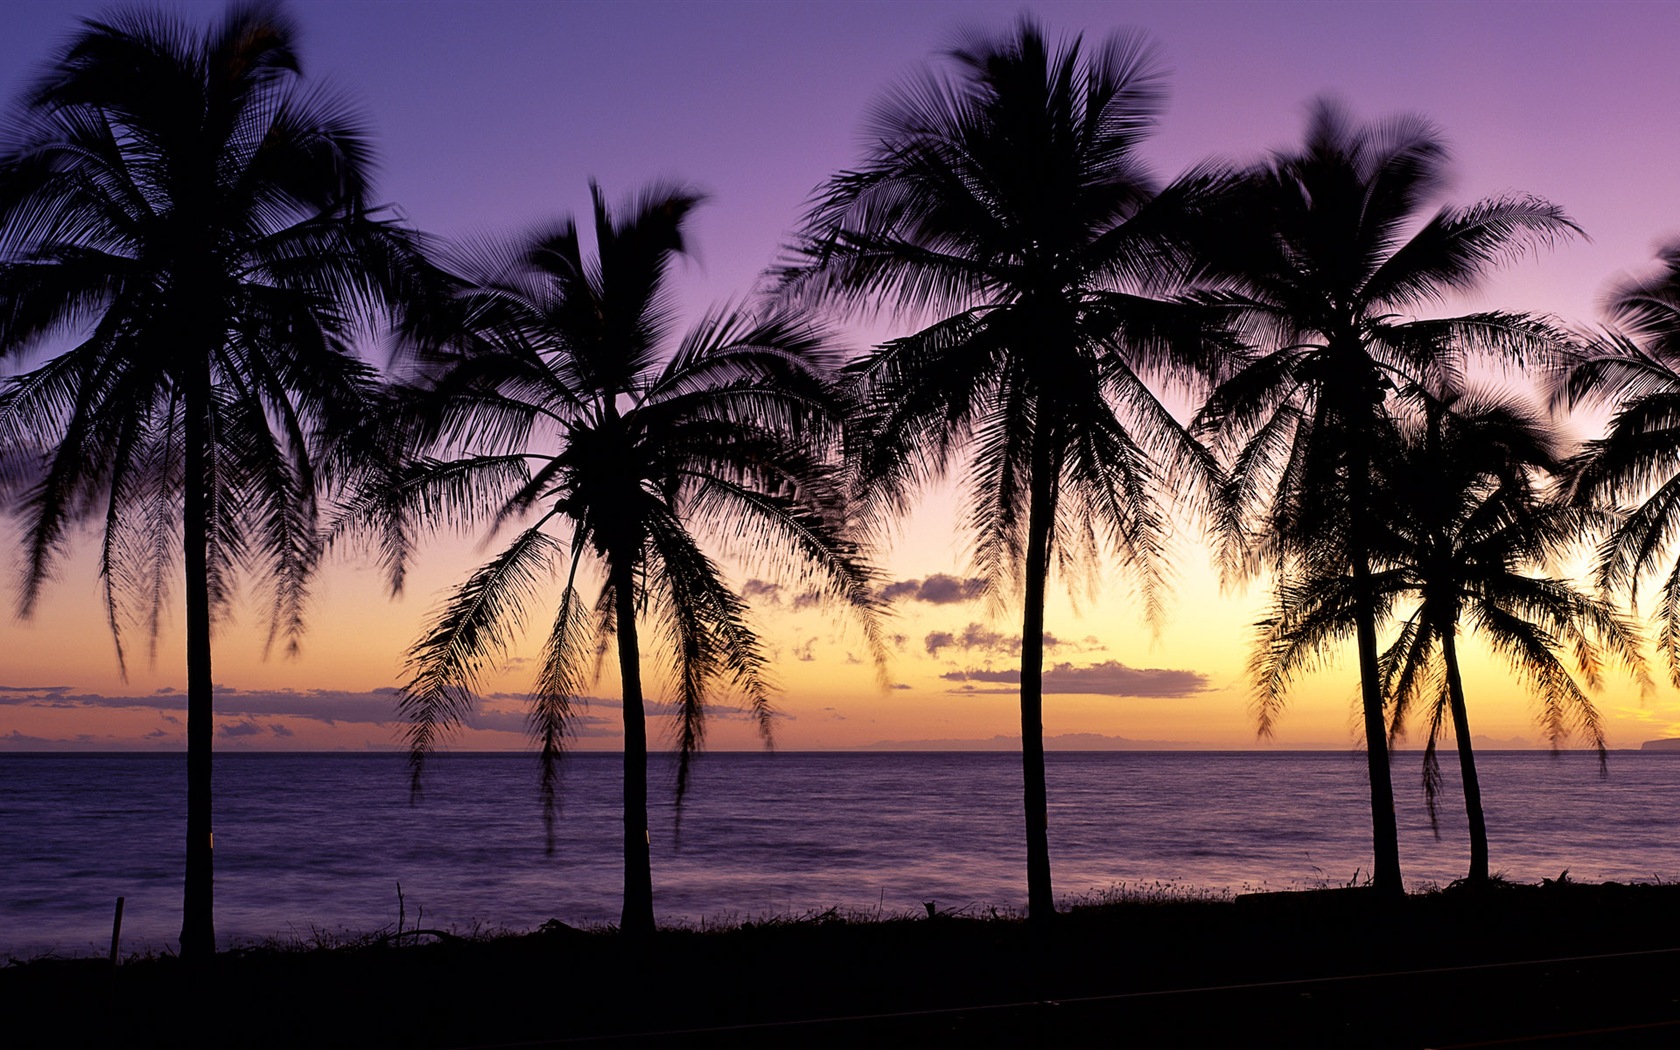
pixel 491 116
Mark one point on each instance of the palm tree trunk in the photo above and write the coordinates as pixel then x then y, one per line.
pixel 637 919
pixel 1041 903
pixel 1466 763
pixel 1385 833
pixel 198 934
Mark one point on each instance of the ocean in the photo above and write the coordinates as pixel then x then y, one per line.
pixel 313 847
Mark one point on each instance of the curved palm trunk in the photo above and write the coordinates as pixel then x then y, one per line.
pixel 198 934
pixel 1385 833
pixel 1466 762
pixel 637 919
pixel 1041 903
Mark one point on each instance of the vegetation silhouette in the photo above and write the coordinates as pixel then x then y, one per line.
pixel 558 405
pixel 1318 253
pixel 178 208
pixel 1458 526
pixel 1635 366
pixel 1006 200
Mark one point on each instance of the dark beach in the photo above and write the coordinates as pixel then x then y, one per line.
pixel 1559 964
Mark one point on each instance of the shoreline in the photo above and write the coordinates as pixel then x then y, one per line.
pixel 1158 893
pixel 1330 967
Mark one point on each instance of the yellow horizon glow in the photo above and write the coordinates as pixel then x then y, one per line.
pixel 833 700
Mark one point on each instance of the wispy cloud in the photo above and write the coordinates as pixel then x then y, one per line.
pixel 764 592
pixel 978 638
pixel 376 706
pixel 278 715
pixel 938 589
pixel 972 637
pixel 1109 678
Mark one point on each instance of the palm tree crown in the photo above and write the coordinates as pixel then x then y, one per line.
pixel 1636 365
pixel 176 208
pixel 1007 201
pixel 1319 255
pixel 1459 526
pixel 566 410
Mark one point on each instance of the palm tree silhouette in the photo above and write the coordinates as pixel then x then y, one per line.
pixel 565 409
pixel 1635 365
pixel 175 206
pixel 1317 254
pixel 1007 201
pixel 1457 526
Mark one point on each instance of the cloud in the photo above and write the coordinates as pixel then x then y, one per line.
pixel 766 593
pixel 806 652
pixel 481 717
pixel 807 600
pixel 16 741
pixel 763 592
pixel 938 589
pixel 259 707
pixel 517 720
pixel 34 689
pixel 719 704
pixel 376 706
pixel 975 637
pixel 281 714
pixel 1109 678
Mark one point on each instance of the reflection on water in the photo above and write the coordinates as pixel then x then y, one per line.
pixel 315 845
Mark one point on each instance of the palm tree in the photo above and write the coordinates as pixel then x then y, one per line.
pixel 191 221
pixel 1635 366
pixel 1457 525
pixel 566 410
pixel 1319 254
pixel 1007 201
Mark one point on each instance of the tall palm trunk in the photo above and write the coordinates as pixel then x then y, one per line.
pixel 1041 511
pixel 637 919
pixel 1385 834
pixel 198 935
pixel 1466 762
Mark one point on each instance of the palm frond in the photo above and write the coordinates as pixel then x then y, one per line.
pixel 473 629
pixel 1458 245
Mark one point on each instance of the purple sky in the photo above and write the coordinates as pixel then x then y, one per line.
pixel 492 115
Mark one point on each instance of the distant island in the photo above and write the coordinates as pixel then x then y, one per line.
pixel 1667 744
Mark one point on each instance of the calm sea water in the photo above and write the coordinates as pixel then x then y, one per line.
pixel 314 846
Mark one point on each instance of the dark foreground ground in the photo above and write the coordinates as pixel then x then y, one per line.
pixel 1557 965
